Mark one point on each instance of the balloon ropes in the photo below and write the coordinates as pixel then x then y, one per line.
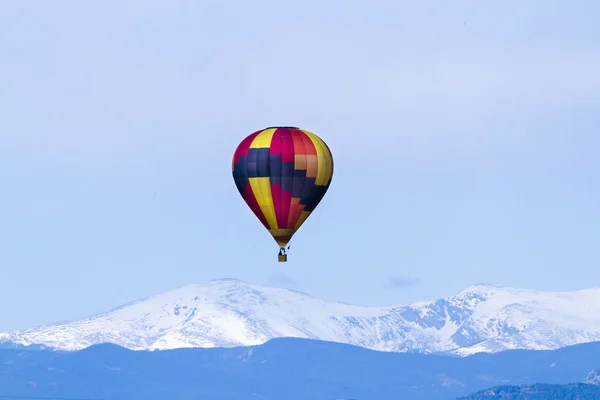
pixel 282 174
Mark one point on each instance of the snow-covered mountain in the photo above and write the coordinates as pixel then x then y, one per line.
pixel 228 312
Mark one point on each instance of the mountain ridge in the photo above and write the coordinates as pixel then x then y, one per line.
pixel 289 368
pixel 229 312
pixel 588 388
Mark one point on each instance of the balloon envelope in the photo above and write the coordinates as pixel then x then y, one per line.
pixel 282 173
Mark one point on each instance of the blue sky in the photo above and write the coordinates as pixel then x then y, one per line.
pixel 465 137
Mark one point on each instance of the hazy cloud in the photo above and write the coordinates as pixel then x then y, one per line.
pixel 404 281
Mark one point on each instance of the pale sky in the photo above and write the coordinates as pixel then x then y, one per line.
pixel 465 134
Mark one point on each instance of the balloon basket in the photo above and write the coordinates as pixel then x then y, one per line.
pixel 282 257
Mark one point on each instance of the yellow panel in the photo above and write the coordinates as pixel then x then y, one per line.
pixel 261 187
pixel 263 139
pixel 302 218
pixel 323 157
pixel 327 161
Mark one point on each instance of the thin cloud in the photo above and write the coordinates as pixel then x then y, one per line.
pixel 404 281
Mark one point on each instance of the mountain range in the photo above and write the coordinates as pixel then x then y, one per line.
pixel 292 369
pixel 588 389
pixel 229 312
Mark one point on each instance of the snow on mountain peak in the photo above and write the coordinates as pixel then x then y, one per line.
pixel 593 378
pixel 230 312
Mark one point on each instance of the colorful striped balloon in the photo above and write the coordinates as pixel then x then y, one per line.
pixel 282 173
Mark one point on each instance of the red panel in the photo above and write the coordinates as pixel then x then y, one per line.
pixel 276 195
pixel 308 144
pixel 244 146
pixel 286 199
pixel 275 145
pixel 295 211
pixel 298 142
pixel 287 146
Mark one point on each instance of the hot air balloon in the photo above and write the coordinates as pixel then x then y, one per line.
pixel 282 174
